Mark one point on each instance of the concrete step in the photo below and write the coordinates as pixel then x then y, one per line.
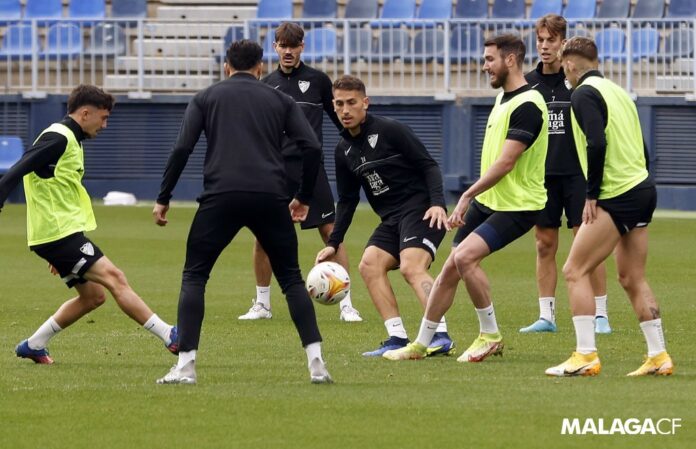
pixel 203 13
pixel 190 83
pixel 683 65
pixel 183 29
pixel 180 47
pixel 170 64
pixel 674 83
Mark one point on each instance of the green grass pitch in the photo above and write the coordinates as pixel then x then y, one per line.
pixel 254 389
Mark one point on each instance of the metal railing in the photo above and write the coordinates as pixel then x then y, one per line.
pixel 394 57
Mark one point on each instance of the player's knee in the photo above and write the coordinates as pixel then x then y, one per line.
pixel 545 247
pixel 94 298
pixel 463 261
pixel 368 267
pixel 627 280
pixel 571 273
pixel 116 279
pixel 411 271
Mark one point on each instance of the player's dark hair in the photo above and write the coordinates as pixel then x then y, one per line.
pixel 508 44
pixel 289 34
pixel 244 54
pixel 349 82
pixel 580 46
pixel 88 95
pixel 554 24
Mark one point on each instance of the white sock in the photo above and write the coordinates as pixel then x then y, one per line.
pixel 395 327
pixel 547 308
pixel 185 357
pixel 44 333
pixel 601 306
pixel 487 323
pixel 346 302
pixel 313 351
pixel 158 327
pixel 263 295
pixel 653 336
pixel 427 330
pixel 584 334
pixel 442 325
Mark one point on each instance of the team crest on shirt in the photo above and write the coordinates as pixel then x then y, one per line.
pixel 372 140
pixel 304 85
pixel 87 249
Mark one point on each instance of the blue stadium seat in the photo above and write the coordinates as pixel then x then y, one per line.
pixel 645 43
pixel 107 39
pixel 131 9
pixel 64 40
pixel 395 9
pixel 427 45
pixel 508 9
pixel 679 44
pixel 319 9
pixel 10 11
pixel 16 44
pixel 89 10
pixel 269 53
pixel 681 9
pixel 576 31
pixel 361 9
pixel 320 43
pixel 46 11
pixel 614 9
pixel 580 9
pixel 391 44
pixel 11 150
pixel 360 44
pixel 649 9
pixel 466 44
pixel 272 9
pixel 611 44
pixel 542 7
pixel 435 10
pixel 471 9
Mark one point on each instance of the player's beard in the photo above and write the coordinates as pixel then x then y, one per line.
pixel 500 78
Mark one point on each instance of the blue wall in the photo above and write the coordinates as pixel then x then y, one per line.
pixel 131 153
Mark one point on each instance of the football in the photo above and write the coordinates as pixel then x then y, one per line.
pixel 328 283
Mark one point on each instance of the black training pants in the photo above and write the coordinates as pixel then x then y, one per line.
pixel 218 219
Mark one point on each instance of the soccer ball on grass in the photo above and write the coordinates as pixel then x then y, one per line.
pixel 328 283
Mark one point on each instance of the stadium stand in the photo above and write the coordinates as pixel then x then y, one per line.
pixel 679 44
pixel 17 42
pixel 10 11
pixel 361 9
pixel 87 10
pixel 359 44
pixel 471 9
pixel 319 9
pixel 391 44
pixel 64 40
pixel 681 9
pixel 580 9
pixel 43 10
pixel 649 9
pixel 11 149
pixel 395 9
pixel 614 9
pixel 106 39
pixel 466 44
pixel 645 43
pixel 128 9
pixel 435 10
pixel 611 44
pixel 428 45
pixel 542 7
pixel 273 9
pixel 320 43
pixel 269 54
pixel 508 9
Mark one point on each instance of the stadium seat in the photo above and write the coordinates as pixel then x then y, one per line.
pixel 235 33
pixel 107 39
pixel 508 9
pixel 395 9
pixel 681 9
pixel 615 9
pixel 11 150
pixel 269 53
pixel 466 44
pixel 645 43
pixel 268 10
pixel 359 44
pixel 580 9
pixel 576 31
pixel 391 44
pixel 64 40
pixel 131 9
pixel 45 11
pixel 435 10
pixel 10 11
pixel 16 43
pixel 471 9
pixel 679 44
pixel 320 43
pixel 361 9
pixel 427 45
pixel 319 9
pixel 87 9
pixel 649 9
pixel 542 7
pixel 611 44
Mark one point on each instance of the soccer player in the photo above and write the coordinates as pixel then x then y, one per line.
pixel 311 89
pixel 59 212
pixel 565 181
pixel 403 184
pixel 621 198
pixel 501 206
pixel 244 186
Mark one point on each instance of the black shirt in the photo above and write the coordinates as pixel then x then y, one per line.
pixel 41 158
pixel 244 122
pixel 561 157
pixel 312 91
pixel 392 166
pixel 525 121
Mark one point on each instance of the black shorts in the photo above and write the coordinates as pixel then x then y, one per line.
pixel 633 209
pixel 564 194
pixel 497 229
pixel 72 256
pixel 411 231
pixel 321 207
